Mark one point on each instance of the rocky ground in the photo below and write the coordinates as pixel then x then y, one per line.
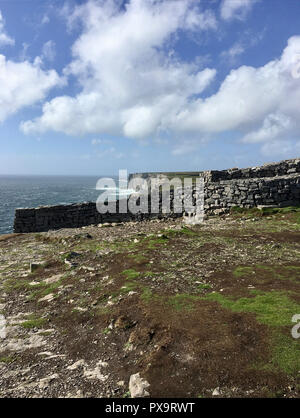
pixel 202 311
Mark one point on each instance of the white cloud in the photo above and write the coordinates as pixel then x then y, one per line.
pixel 23 56
pixel 236 49
pixel 261 103
pixel 273 126
pixel 249 39
pixel 4 38
pixel 236 9
pixel 232 53
pixel 200 21
pixel 48 51
pixel 23 84
pixel 131 85
pixel 281 149
pixel 45 19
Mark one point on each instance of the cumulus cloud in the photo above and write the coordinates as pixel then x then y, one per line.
pixel 261 103
pixel 23 84
pixel 273 126
pixel 236 9
pixel 131 85
pixel 4 38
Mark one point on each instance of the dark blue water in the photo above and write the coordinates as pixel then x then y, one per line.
pixel 33 191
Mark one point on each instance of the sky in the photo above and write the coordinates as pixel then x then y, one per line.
pixel 91 87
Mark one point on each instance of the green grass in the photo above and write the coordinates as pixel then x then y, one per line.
pixel 271 308
pixel 16 284
pixel 237 211
pixel 150 274
pixel 153 243
pixel 242 271
pixel 291 273
pixel 286 353
pixel 273 211
pixel 44 289
pixel 204 286
pixel 183 301
pixel 129 287
pixel 264 268
pixel 138 258
pixel 274 309
pixel 264 211
pixel 33 322
pixel 146 295
pixel 7 359
pixel 131 274
pixel 188 231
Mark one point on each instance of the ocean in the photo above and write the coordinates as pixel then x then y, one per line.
pixel 33 191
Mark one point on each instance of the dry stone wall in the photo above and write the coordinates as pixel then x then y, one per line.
pixel 76 215
pixel 282 168
pixel 276 184
pixel 279 191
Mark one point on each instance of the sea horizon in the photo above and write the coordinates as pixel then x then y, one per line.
pixel 29 191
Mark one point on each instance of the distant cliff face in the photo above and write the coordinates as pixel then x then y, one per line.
pixel 275 184
pixel 282 168
pixel 169 175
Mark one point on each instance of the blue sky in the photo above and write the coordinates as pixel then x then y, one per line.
pixel 90 87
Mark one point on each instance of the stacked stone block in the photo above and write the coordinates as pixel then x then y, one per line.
pixel 276 184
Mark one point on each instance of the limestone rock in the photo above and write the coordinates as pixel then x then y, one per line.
pixel 47 298
pixel 138 386
pixel 44 383
pixel 216 392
